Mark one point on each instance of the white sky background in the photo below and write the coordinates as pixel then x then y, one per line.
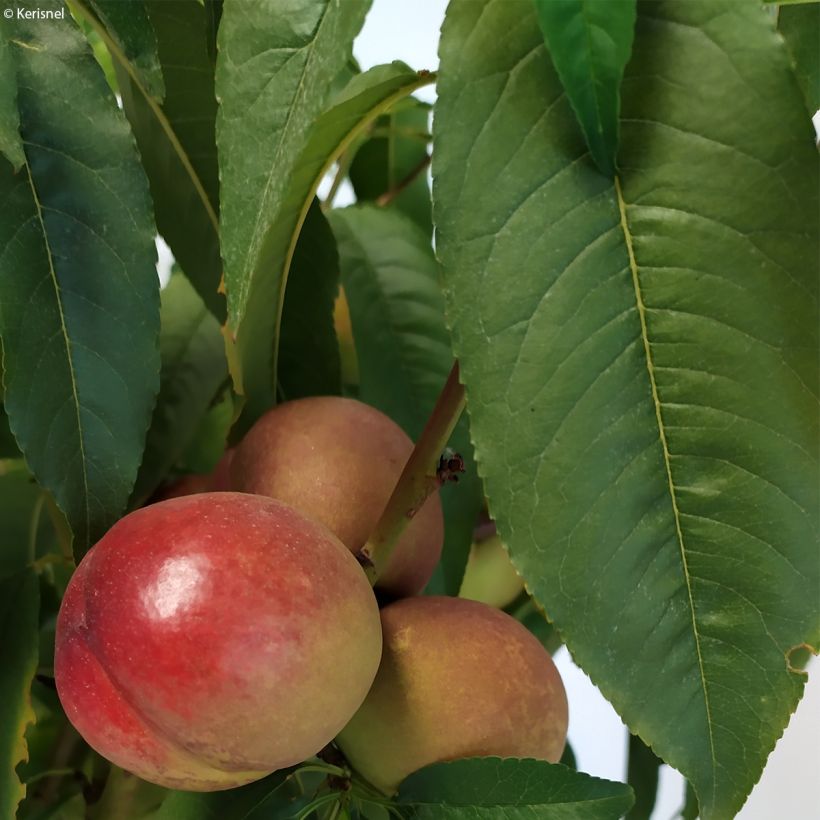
pixel 409 31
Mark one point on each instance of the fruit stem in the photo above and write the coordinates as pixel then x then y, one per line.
pixel 419 479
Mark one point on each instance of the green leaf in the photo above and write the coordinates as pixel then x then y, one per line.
pixel 8 446
pixel 266 799
pixel 510 789
pixel 274 66
pixel 11 144
pixel 642 775
pixel 79 297
pixel 252 293
pixel 19 604
pixel 800 27
pixel 24 522
pixel 390 277
pixel 590 43
pixel 178 145
pixel 396 153
pixel 309 363
pixel 128 25
pixel 193 370
pixel 643 400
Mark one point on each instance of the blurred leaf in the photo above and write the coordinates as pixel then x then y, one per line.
pixel 79 295
pixel 8 446
pixel 26 532
pixel 129 27
pixel 590 43
pixel 690 809
pixel 396 153
pixel 510 789
pixel 309 363
pixel 390 277
pixel 18 663
pixel 366 96
pixel 800 27
pixel 11 145
pixel 193 370
pixel 272 798
pixel 642 775
pixel 213 14
pixel 178 145
pixel 208 444
pixel 641 363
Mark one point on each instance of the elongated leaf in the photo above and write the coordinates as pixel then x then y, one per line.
pixel 396 153
pixel 509 789
pixel 19 598
pixel 193 369
pixel 177 142
pixel 590 43
pixel 79 297
pixel 19 595
pixel 390 276
pixel 274 67
pixel 800 27
pixel 641 363
pixel 309 363
pixel 365 97
pixel 11 144
pixel 8 446
pixel 642 774
pixel 129 26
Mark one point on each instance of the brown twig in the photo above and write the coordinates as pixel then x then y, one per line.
pixel 388 196
pixel 420 478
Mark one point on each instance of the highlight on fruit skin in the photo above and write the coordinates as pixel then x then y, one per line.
pixel 457 679
pixel 338 460
pixel 209 640
pixel 489 576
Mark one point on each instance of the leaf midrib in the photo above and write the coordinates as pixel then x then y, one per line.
pixel 633 266
pixel 257 235
pixel 67 343
pixel 157 111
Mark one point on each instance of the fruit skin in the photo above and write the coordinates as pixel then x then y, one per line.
pixel 206 641
pixel 457 679
pixel 338 460
pixel 490 576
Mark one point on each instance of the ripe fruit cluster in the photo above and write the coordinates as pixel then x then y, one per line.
pixel 211 638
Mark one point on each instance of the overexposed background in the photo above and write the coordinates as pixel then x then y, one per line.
pixel 409 31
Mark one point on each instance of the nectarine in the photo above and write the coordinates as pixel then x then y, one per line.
pixel 338 460
pixel 206 641
pixel 457 679
pixel 490 576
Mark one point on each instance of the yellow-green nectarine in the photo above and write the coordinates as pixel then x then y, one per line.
pixel 338 460
pixel 457 679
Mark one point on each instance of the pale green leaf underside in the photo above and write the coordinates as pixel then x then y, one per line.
pixel 79 297
pixel 491 788
pixel 590 43
pixel 641 363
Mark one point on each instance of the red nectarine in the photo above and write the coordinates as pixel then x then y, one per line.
pixel 208 640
